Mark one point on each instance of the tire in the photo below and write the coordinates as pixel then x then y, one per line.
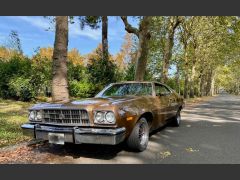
pixel 177 119
pixel 138 139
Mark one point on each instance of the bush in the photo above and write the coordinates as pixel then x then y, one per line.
pixel 102 72
pixel 81 89
pixel 16 66
pixel 35 77
pixel 76 72
pixel 41 75
pixel 21 89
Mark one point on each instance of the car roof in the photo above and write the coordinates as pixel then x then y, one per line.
pixel 122 82
pixel 126 82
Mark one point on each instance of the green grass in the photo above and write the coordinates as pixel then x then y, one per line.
pixel 12 115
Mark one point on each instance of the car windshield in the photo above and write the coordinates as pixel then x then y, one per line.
pixel 135 89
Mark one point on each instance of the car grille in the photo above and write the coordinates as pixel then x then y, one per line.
pixel 66 116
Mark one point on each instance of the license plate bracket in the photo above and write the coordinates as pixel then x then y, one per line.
pixel 56 138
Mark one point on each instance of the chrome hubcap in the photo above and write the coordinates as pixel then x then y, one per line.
pixel 178 118
pixel 143 134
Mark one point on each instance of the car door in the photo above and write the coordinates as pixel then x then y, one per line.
pixel 172 102
pixel 162 103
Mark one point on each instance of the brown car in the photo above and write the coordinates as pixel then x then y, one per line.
pixel 121 111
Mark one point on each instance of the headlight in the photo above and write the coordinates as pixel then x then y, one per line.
pixel 110 117
pixel 104 117
pixel 99 117
pixel 31 115
pixel 35 116
pixel 39 115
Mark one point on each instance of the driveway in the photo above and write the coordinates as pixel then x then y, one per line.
pixel 209 133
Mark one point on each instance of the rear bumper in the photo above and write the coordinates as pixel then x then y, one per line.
pixel 77 135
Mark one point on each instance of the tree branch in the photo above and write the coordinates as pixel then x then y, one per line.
pixel 128 27
pixel 178 21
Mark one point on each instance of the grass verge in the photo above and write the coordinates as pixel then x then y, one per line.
pixel 12 115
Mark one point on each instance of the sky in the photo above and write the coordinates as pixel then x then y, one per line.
pixel 34 32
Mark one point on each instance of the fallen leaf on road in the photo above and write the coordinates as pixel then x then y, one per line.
pixel 165 154
pixel 191 150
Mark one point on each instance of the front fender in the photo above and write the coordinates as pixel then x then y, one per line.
pixel 130 116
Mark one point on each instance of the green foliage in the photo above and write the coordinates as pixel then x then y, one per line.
pixel 92 21
pixel 76 72
pixel 24 79
pixel 101 72
pixel 81 89
pixel 16 66
pixel 130 72
pixel 21 88
pixel 205 52
pixel 79 83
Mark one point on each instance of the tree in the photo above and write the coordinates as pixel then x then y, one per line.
pixel 105 37
pixel 14 42
pixel 6 53
pixel 43 54
pixel 101 71
pixel 60 91
pixel 127 52
pixel 75 57
pixel 172 24
pixel 144 36
pixel 93 22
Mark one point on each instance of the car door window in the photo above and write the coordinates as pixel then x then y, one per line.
pixel 161 90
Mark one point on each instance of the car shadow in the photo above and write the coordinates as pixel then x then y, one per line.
pixel 96 151
pixel 104 152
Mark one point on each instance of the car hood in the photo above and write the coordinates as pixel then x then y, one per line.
pixel 89 102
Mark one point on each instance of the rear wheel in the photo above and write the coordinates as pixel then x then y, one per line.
pixel 138 139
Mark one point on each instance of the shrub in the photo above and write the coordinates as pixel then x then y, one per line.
pixel 81 89
pixel 21 89
pixel 16 66
pixel 101 72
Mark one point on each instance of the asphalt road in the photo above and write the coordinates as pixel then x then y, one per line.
pixel 209 133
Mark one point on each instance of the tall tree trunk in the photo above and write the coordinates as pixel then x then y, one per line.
pixel 209 82
pixel 186 86
pixel 142 54
pixel 193 73
pixel 202 85
pixel 105 37
pixel 166 59
pixel 202 78
pixel 238 86
pixel 172 25
pixel 144 36
pixel 212 86
pixel 186 72
pixel 60 82
pixel 178 79
pixel 212 83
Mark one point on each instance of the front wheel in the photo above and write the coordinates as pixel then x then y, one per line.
pixel 177 119
pixel 138 139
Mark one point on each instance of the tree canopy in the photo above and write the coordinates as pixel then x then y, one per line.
pixel 195 55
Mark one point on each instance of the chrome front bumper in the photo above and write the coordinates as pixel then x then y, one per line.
pixel 77 135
